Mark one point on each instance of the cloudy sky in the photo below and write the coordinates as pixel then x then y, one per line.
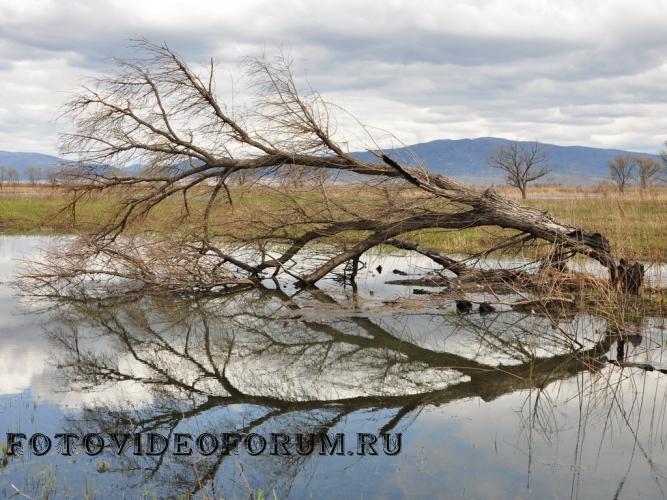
pixel 569 72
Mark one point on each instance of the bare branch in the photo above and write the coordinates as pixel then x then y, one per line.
pixel 294 184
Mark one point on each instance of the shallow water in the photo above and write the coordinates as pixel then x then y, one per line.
pixel 497 406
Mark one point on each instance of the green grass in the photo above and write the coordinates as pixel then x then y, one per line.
pixel 28 216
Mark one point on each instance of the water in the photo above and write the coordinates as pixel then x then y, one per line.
pixel 497 406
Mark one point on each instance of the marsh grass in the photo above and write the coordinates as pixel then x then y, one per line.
pixel 634 223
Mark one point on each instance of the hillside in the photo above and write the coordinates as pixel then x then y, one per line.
pixel 466 159
pixel 21 161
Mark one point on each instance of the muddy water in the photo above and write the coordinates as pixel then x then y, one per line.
pixel 497 406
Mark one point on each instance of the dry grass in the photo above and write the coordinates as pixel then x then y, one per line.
pixel 634 222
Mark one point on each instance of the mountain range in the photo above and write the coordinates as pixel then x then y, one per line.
pixel 464 159
pixel 22 161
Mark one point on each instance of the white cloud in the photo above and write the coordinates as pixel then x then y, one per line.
pixel 569 72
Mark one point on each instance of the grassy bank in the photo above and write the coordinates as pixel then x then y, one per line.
pixel 634 223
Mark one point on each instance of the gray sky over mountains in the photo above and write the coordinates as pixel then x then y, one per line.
pixel 581 72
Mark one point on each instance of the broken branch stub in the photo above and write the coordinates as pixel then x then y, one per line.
pixel 629 276
pixel 256 188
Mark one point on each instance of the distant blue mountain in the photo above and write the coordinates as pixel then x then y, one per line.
pixel 464 159
pixel 21 161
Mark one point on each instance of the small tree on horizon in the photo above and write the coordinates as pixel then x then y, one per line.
pixel 663 157
pixel 521 164
pixel 34 174
pixel 9 175
pixel 648 170
pixel 621 170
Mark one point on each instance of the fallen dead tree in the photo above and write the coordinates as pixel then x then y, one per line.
pixel 205 155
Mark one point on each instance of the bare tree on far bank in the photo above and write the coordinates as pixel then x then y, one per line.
pixel 34 174
pixel 9 176
pixel 521 165
pixel 621 171
pixel 663 174
pixel 647 171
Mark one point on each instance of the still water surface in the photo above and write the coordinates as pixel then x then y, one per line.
pixel 506 405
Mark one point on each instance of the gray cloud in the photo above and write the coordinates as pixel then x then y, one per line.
pixel 569 72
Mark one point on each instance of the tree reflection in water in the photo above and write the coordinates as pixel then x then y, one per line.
pixel 253 362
